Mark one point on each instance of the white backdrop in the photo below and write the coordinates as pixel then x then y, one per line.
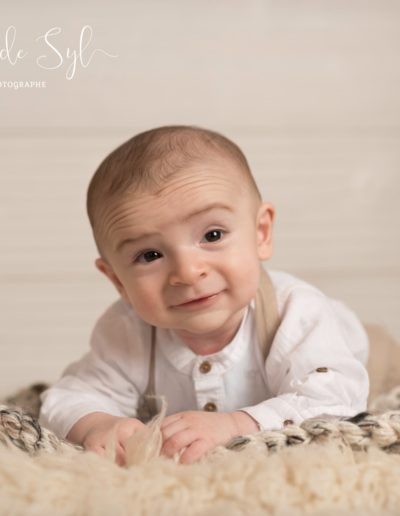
pixel 309 90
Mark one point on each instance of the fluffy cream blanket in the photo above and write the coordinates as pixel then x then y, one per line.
pixel 325 467
pixel 316 479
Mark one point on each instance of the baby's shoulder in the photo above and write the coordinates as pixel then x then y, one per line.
pixel 302 306
pixel 292 291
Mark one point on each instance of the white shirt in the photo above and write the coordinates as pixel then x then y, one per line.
pixel 315 366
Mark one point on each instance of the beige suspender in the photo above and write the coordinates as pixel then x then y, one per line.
pixel 267 315
pixel 147 407
pixel 267 323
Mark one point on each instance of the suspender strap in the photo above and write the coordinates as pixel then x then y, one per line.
pixel 151 387
pixel 267 315
pixel 147 407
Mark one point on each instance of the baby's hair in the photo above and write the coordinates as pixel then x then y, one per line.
pixel 144 162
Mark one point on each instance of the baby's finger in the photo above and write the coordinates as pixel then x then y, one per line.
pixel 170 420
pixel 194 451
pixel 178 441
pixel 96 448
pixel 173 428
pixel 126 428
pixel 120 455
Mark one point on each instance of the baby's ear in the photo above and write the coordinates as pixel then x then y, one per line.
pixel 108 271
pixel 264 223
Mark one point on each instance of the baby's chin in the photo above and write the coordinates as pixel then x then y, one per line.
pixel 210 325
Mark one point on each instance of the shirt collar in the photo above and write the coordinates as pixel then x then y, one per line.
pixel 184 360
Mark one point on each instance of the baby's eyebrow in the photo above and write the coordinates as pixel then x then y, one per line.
pixel 132 240
pixel 209 207
pixel 185 218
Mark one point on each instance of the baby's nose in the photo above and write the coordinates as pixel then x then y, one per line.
pixel 187 269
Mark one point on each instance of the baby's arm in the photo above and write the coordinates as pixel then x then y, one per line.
pixel 104 384
pixel 199 432
pixel 94 431
pixel 312 368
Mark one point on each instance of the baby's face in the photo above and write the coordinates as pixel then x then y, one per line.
pixel 188 257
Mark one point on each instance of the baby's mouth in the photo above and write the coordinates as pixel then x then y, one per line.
pixel 198 301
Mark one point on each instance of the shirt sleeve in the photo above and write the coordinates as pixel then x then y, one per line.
pixel 311 369
pixel 107 379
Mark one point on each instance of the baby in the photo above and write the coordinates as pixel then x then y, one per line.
pixel 181 231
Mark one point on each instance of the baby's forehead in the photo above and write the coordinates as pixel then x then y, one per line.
pixel 199 182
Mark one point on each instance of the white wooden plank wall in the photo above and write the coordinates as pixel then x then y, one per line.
pixel 310 90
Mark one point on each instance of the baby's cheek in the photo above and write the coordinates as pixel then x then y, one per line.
pixel 145 304
pixel 248 277
pixel 141 300
pixel 244 265
pixel 148 312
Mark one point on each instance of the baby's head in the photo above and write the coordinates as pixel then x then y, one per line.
pixel 181 228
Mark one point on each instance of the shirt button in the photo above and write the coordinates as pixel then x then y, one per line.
pixel 210 407
pixel 322 369
pixel 288 422
pixel 205 367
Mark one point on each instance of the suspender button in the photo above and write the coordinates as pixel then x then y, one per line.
pixel 210 407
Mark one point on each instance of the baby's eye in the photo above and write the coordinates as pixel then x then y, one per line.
pixel 148 256
pixel 213 235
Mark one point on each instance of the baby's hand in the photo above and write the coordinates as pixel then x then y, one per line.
pixel 95 431
pixel 200 432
